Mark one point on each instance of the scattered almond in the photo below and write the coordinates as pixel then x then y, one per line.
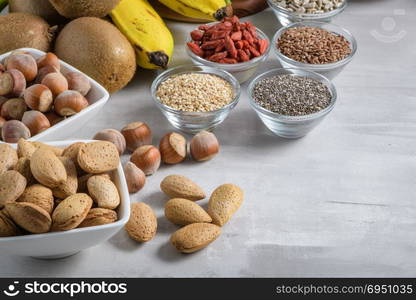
pixel 183 212
pixel 39 195
pixel 224 202
pixel 29 216
pixel 142 224
pixel 194 237
pixel 177 186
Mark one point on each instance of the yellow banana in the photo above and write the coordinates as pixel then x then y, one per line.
pixel 211 10
pixel 145 29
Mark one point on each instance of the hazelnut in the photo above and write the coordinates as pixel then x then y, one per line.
pixel 13 109
pixel 69 103
pixel 204 146
pixel 78 82
pixel 135 177
pixel 147 158
pixel 12 83
pixel 53 118
pixel 45 71
pixel 172 148
pixel 2 121
pixel 49 59
pixel 2 68
pixel 13 130
pixel 35 121
pixel 3 100
pixel 56 82
pixel 25 63
pixel 137 134
pixel 113 136
pixel 38 97
pixel 15 52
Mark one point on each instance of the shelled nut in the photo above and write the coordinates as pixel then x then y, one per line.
pixel 78 82
pixel 49 59
pixel 204 146
pixel 137 134
pixel 13 109
pixel 25 63
pixel 56 82
pixel 38 97
pixel 13 130
pixel 172 148
pixel 147 158
pixel 114 136
pixel 35 121
pixel 135 177
pixel 69 103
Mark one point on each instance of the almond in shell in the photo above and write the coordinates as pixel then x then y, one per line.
pixel 82 181
pixel 8 157
pixel 142 224
pixel 29 216
pixel 57 151
pixel 25 148
pixel 47 168
pixel 98 157
pixel 99 216
pixel 23 167
pixel 103 191
pixel 178 186
pixel 12 186
pixel 7 226
pixel 71 212
pixel 224 202
pixel 72 152
pixel 70 186
pixel 194 237
pixel 39 195
pixel 183 212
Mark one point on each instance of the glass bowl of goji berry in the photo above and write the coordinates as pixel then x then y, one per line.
pixel 234 46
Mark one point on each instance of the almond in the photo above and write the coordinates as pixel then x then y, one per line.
pixel 57 151
pixel 82 181
pixel 7 226
pixel 103 191
pixel 23 167
pixel 194 237
pixel 39 195
pixel 98 157
pixel 99 216
pixel 70 186
pixel 72 152
pixel 71 212
pixel 177 186
pixel 224 202
pixel 183 212
pixel 8 157
pixel 12 186
pixel 142 224
pixel 29 216
pixel 25 148
pixel 47 168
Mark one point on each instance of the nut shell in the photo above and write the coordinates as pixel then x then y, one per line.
pixel 195 237
pixel 39 195
pixel 7 226
pixel 183 212
pixel 142 225
pixel 29 216
pixel 99 216
pixel 25 149
pixel 224 202
pixel 12 186
pixel 8 157
pixel 178 186
pixel 47 168
pixel 104 192
pixel 98 157
pixel 70 186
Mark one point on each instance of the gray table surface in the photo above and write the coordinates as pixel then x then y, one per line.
pixel 339 202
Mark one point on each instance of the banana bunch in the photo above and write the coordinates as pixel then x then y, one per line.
pixel 210 10
pixel 145 29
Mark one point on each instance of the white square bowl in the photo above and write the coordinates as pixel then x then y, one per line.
pixel 97 97
pixel 53 245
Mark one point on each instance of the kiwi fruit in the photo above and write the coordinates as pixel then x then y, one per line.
pixel 84 8
pixel 97 48
pixel 41 8
pixel 22 30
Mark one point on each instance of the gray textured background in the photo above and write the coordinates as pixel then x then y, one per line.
pixel 339 202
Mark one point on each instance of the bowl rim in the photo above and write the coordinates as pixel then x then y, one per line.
pixel 309 16
pixel 345 33
pixel 104 96
pixel 231 67
pixel 293 119
pixel 124 196
pixel 206 70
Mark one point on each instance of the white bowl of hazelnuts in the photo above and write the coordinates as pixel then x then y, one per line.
pixel 42 98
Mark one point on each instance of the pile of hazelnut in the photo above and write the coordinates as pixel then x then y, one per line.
pixel 145 159
pixel 35 95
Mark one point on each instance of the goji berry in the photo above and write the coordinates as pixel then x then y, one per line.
pixel 236 36
pixel 216 35
pixel 228 61
pixel 229 45
pixel 195 49
pixel 197 35
pixel 203 27
pixel 248 37
pixel 218 56
pixel 239 44
pixel 243 55
pixel 211 44
pixel 254 51
pixel 263 44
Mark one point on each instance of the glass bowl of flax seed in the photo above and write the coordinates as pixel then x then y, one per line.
pixel 195 97
pixel 320 47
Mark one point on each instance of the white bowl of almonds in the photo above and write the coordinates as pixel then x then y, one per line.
pixel 61 197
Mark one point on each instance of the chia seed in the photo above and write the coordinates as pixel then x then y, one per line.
pixel 292 95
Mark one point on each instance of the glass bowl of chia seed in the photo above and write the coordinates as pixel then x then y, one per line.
pixel 291 102
pixel 194 97
pixel 295 14
pixel 333 33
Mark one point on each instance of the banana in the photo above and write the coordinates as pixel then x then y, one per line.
pixel 145 29
pixel 211 10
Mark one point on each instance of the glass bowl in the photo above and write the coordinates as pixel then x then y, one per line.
pixel 286 17
pixel 291 126
pixel 193 122
pixel 242 71
pixel 330 70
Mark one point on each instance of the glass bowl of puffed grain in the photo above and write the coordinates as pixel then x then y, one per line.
pixel 293 11
pixel 195 98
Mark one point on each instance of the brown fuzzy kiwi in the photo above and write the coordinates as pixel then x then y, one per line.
pixel 41 8
pixel 84 8
pixel 22 30
pixel 97 48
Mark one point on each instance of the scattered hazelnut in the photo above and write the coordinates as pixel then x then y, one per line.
pixel 56 82
pixel 12 83
pixel 49 59
pixel 147 158
pixel 78 82
pixel 204 146
pixel 25 63
pixel 13 130
pixel 53 118
pixel 69 103
pixel 113 136
pixel 135 177
pixel 137 134
pixel 45 71
pixel 172 148
pixel 13 109
pixel 38 97
pixel 35 121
